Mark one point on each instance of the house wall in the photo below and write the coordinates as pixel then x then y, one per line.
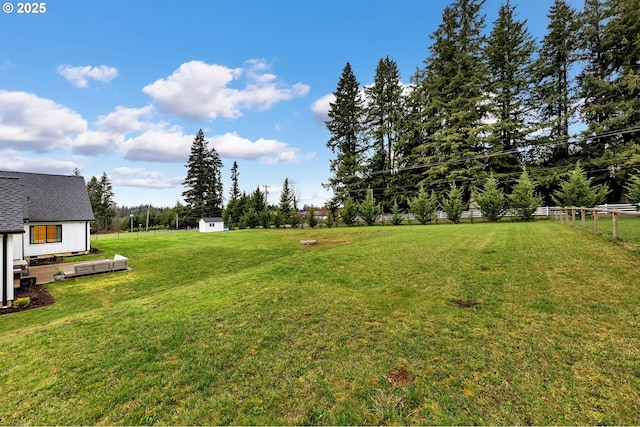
pixel 208 227
pixel 75 238
pixel 6 284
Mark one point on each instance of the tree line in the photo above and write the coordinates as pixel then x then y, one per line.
pixel 490 103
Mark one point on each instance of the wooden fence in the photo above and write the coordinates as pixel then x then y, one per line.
pixel 568 215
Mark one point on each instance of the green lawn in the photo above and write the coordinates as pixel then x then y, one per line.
pixel 507 323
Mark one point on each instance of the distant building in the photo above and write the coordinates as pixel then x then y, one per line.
pixel 210 225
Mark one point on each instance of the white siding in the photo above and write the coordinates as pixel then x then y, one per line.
pixel 9 260
pixel 209 227
pixel 75 238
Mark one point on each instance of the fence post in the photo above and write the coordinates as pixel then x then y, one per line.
pixel 614 215
pixel 566 215
pixel 573 216
pixel 595 220
pixel 582 215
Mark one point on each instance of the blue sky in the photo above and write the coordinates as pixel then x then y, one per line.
pixel 122 87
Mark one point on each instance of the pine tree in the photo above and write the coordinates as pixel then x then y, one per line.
pixel 423 206
pixel 454 82
pixel 611 87
pixel 383 118
pixel 555 85
pixel 491 200
pixel 578 191
pixel 349 212
pixel 286 200
pixel 509 56
pixel 345 125
pixel 396 214
pixel 235 189
pixel 312 219
pixel 369 210
pixel 452 204
pixel 100 193
pixel 523 200
pixel 633 190
pixel 203 193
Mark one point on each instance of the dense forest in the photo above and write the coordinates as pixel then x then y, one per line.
pixel 491 101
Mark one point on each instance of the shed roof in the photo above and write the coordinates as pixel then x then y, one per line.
pixel 12 206
pixel 47 198
pixel 214 219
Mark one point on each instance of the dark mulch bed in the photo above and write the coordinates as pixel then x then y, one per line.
pixel 39 295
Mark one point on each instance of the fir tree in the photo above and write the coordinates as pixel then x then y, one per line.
pixel 578 191
pixel 452 204
pixel 203 193
pixel 509 56
pixel 523 200
pixel 345 125
pixel 423 206
pixel 100 193
pixel 396 214
pixel 383 117
pixel 455 86
pixel 491 200
pixel 286 200
pixel 633 190
pixel 312 219
pixel 349 212
pixel 369 210
pixel 235 189
pixel 555 86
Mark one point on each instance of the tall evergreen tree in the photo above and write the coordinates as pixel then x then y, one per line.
pixel 286 202
pixel 455 84
pixel 100 193
pixel 509 57
pixel 235 189
pixel 614 113
pixel 346 127
pixel 555 86
pixel 383 117
pixel 203 184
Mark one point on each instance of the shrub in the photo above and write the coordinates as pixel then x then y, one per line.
pixel 423 207
pixel 492 201
pixel 453 205
pixel 397 216
pixel 369 211
pixel 524 201
pixel 22 302
pixel 349 212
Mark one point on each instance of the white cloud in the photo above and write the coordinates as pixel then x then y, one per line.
pixel 320 108
pixel 31 123
pixel 197 90
pixel 158 145
pixel 268 151
pixel 78 76
pixel 12 160
pixel 96 142
pixel 123 120
pixel 140 177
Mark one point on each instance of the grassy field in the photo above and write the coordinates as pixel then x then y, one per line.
pixel 507 323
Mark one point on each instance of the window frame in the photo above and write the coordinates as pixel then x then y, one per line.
pixel 42 234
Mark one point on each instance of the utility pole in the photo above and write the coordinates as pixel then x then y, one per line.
pixel 147 217
pixel 266 195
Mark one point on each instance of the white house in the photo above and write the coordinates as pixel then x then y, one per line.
pixel 209 225
pixel 11 227
pixel 56 215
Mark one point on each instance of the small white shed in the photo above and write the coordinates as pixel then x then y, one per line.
pixel 209 225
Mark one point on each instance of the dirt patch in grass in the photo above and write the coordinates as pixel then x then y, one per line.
pixel 466 303
pixel 39 295
pixel 321 243
pixel 399 376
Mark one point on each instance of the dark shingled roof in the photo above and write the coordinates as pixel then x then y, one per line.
pixel 214 219
pixel 11 206
pixel 52 197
